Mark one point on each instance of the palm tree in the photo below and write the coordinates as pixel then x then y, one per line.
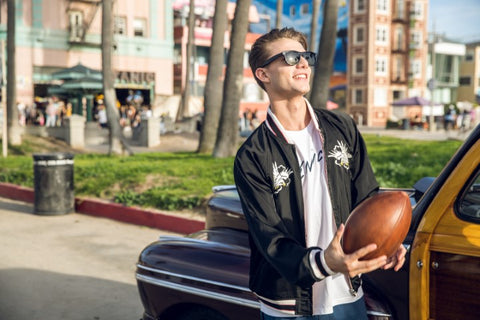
pixel 14 130
pixel 183 108
pixel 117 143
pixel 226 144
pixel 326 51
pixel 214 83
pixel 278 22
pixel 314 24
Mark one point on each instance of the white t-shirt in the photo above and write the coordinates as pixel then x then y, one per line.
pixel 319 222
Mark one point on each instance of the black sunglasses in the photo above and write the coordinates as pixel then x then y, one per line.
pixel 293 58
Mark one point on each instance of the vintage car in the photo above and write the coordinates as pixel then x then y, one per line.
pixel 204 276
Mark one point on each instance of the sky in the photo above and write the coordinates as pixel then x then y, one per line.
pixel 457 19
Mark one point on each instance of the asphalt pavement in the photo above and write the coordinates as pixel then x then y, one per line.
pixel 69 267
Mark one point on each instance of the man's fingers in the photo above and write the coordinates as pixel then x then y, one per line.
pixel 339 233
pixel 364 251
pixel 370 265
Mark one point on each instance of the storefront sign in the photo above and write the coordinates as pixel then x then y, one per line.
pixel 135 77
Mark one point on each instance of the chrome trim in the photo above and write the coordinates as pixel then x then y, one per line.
pixel 378 314
pixel 199 292
pixel 215 283
pixel 200 241
pixel 219 188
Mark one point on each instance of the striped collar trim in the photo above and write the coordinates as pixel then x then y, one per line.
pixel 276 127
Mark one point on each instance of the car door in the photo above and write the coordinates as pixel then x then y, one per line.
pixel 445 254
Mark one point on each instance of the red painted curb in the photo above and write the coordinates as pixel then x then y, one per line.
pixel 14 192
pixel 113 211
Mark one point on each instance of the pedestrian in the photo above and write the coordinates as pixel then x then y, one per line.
pixel 102 115
pixel 299 175
pixel 51 112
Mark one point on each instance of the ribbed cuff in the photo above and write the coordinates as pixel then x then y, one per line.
pixel 313 262
pixel 325 265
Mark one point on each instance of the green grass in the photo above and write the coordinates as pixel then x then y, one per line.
pixel 176 181
pixel 400 163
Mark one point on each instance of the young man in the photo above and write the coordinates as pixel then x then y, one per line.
pixel 299 175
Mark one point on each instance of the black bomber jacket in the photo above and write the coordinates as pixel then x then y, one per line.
pixel 267 176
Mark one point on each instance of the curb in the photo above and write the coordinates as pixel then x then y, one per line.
pixel 114 211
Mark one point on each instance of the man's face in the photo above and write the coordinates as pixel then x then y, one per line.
pixel 282 80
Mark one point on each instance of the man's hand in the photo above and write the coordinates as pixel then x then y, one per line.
pixel 350 264
pixel 397 260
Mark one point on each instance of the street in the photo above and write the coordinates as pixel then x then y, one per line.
pixel 72 267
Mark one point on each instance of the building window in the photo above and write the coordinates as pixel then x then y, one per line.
pixel 381 35
pixel 400 13
pixel 417 10
pixel 120 25
pixel 359 6
pixel 415 40
pixel 465 81
pixel 293 11
pixel 397 95
pixel 76 25
pixel 304 9
pixel 139 27
pixel 358 65
pixel 357 96
pixel 399 69
pixel 416 68
pixel 399 38
pixel 469 55
pixel 381 65
pixel 358 34
pixel 380 97
pixel 382 6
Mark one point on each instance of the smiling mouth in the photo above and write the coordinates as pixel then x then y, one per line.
pixel 300 76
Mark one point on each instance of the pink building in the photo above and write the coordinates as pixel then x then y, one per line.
pixel 54 35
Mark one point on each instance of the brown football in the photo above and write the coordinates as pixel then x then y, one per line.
pixel 383 219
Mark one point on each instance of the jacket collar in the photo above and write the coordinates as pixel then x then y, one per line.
pixel 276 127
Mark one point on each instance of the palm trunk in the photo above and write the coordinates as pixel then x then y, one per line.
pixel 214 84
pixel 14 129
pixel 117 143
pixel 227 136
pixel 326 52
pixel 278 22
pixel 183 108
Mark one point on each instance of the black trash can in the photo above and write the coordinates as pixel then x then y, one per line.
pixel 53 183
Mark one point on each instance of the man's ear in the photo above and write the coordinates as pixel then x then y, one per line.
pixel 262 75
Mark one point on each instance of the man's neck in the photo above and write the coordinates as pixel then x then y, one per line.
pixel 293 114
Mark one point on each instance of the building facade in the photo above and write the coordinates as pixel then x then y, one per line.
pixel 387 58
pixel 443 73
pixel 469 82
pixel 55 35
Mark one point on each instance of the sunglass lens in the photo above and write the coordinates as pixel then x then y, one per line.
pixel 310 57
pixel 292 57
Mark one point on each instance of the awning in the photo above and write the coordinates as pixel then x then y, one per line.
pixel 413 101
pixel 77 72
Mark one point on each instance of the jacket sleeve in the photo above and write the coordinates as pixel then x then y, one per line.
pixel 270 235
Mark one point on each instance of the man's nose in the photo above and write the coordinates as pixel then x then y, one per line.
pixel 303 63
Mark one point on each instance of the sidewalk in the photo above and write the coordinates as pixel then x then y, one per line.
pixel 438 135
pixel 70 267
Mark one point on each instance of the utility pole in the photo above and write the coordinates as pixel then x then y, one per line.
pixel 4 101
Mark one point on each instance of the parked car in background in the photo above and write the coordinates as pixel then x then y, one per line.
pixel 205 275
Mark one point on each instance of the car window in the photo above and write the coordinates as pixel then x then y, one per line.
pixel 469 205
